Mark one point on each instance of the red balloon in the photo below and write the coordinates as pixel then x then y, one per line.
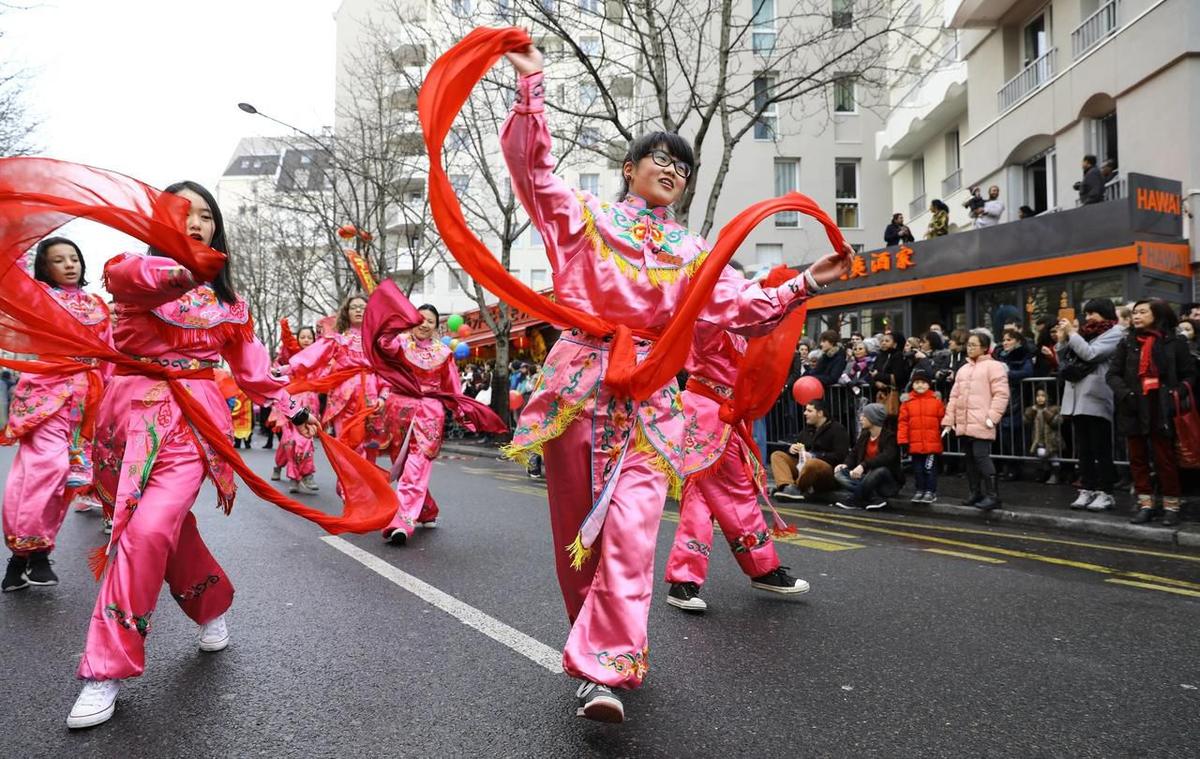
pixel 464 331
pixel 515 400
pixel 807 389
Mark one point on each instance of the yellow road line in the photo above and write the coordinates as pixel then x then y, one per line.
pixel 850 520
pixel 830 533
pixel 1152 586
pixel 796 540
pixel 990 549
pixel 961 555
pixel 1164 580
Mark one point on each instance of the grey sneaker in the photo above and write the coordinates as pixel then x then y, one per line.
pixel 930 496
pixel 598 702
pixel 790 493
pixel 276 474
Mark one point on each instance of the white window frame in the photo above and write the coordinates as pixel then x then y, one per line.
pixel 844 80
pixel 769 120
pixel 591 6
pixel 538 282
pixel 762 31
pixel 590 182
pixel 591 45
pixel 855 199
pixel 787 219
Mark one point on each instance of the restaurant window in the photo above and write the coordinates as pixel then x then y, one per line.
pixel 989 302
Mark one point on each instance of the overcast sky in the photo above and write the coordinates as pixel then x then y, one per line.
pixel 150 87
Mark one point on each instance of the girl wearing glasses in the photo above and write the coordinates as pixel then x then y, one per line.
pixel 611 461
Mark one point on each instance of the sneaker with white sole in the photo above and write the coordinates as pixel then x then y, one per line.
pixel 107 525
pixel 95 705
pixel 686 596
pixel 396 538
pixel 85 502
pixel 214 636
pixel 1083 499
pixel 1101 502
pixel 598 702
pixel 874 505
pixel 430 525
pixel 779 581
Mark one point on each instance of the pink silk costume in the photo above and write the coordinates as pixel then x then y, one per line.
pixel 294 454
pixel 151 463
pixel 46 416
pixel 423 420
pixel 723 474
pixel 610 461
pixel 337 352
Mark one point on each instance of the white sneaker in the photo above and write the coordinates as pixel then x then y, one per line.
pixel 95 705
pixel 430 525
pixel 84 502
pixel 1083 499
pixel 107 525
pixel 214 636
pixel 1101 502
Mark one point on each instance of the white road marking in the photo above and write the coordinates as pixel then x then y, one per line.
pixel 536 651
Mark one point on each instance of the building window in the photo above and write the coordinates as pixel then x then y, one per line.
pixel 844 100
pixel 787 179
pixel 547 5
pixel 537 278
pixel 589 136
pixel 461 183
pixel 590 45
pixel 458 281
pixel 589 93
pixel 768 254
pixel 764 128
pixel 762 33
pixel 460 7
pixel 589 6
pixel 846 193
pixel 842 12
pixel 504 9
pixel 535 237
pixel 590 183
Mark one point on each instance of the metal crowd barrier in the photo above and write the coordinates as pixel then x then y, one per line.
pixel 1014 436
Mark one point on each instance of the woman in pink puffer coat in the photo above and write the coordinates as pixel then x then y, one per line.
pixel 978 400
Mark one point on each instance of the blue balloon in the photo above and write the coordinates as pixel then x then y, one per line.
pixel 446 340
pixel 462 351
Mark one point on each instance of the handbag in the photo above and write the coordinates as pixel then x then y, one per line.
pixel 1186 420
pixel 890 400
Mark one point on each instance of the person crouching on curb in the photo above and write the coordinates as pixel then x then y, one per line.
pixel 920 429
pixel 807 466
pixel 872 471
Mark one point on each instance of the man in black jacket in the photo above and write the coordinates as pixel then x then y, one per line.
pixel 808 465
pixel 872 471
pixel 1091 189
pixel 832 362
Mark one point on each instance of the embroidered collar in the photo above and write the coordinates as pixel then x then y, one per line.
pixel 663 213
pixel 86 308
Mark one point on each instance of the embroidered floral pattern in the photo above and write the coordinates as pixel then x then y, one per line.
pixel 199 308
pixel 127 620
pixel 644 232
pixel 27 543
pixel 704 549
pixel 750 541
pixel 634 664
pixel 196 590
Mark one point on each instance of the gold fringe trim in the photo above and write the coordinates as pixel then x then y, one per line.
pixel 656 276
pixel 641 444
pixel 521 453
pixel 579 554
pixel 660 277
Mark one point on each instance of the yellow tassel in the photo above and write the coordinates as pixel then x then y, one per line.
pixel 579 554
pixel 658 461
pixel 521 453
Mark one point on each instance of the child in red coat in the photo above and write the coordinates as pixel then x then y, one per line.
pixel 921 430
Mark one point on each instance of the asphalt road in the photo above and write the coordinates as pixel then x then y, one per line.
pixel 920 638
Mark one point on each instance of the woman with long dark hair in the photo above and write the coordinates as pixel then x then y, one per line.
pixel 610 459
pixel 151 463
pixel 50 417
pixel 1148 365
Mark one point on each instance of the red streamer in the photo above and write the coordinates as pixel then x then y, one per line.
pixel 446 89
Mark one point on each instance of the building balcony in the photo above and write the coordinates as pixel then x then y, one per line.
pixel 952 183
pixel 979 14
pixel 1031 79
pixel 936 100
pixel 1095 29
pixel 917 206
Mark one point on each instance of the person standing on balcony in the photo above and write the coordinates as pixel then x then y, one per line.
pixel 988 215
pixel 897 232
pixel 1091 188
pixel 939 225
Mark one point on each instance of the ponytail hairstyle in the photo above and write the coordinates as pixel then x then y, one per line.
pixel 222 284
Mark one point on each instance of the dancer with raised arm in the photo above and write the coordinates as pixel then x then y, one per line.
pixel 51 417
pixel 610 459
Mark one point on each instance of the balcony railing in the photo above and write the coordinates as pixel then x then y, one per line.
pixel 952 182
pixel 1031 78
pixel 917 206
pixel 1094 29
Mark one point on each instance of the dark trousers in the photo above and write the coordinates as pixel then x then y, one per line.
pixel 1093 446
pixel 876 483
pixel 925 472
pixel 978 458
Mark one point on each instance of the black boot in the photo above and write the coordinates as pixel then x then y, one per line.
pixel 14 576
pixel 991 494
pixel 1142 516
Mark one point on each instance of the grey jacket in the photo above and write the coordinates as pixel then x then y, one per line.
pixel 1091 396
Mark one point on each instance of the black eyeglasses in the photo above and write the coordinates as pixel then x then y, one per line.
pixel 662 158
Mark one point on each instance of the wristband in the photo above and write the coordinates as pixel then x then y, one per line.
pixel 811 281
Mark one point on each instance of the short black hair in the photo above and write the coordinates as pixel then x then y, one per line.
pixel 829 336
pixel 41 269
pixel 1089 158
pixel 437 318
pixel 1102 306
pixel 1165 319
pixel 819 404
pixel 679 149
pixel 985 340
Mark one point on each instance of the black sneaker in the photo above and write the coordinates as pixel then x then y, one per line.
pixel 39 572
pixel 686 596
pixel 779 581
pixel 598 702
pixel 14 576
pixel 879 503
pixel 790 493
pixel 397 538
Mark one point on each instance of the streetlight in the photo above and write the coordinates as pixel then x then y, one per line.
pixel 250 109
